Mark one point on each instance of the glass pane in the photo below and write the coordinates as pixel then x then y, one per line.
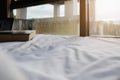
pixel 62 10
pixel 50 18
pixel 105 17
pixel 41 11
pixel 78 9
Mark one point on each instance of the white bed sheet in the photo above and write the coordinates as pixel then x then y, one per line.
pixel 53 57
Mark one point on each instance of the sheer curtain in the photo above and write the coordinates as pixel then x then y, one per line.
pixel 60 25
pixel 67 24
pixel 23 24
pixel 104 18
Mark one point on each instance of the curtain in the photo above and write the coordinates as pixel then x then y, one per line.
pixel 22 24
pixel 104 18
pixel 58 25
pixel 66 26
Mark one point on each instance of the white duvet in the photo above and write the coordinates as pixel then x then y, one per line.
pixel 52 57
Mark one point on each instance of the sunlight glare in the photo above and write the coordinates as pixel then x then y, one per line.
pixel 108 9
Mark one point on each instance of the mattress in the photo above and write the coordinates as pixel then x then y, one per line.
pixel 56 57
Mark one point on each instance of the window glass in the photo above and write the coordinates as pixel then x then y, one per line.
pixel 62 10
pixel 68 25
pixel 42 11
pixel 105 17
pixel 78 8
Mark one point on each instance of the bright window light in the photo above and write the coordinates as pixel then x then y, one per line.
pixel 108 9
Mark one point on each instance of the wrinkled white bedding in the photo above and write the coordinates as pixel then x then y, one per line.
pixel 53 57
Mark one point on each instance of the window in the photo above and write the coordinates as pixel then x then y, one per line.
pixel 59 18
pixel 105 17
pixel 42 11
pixel 14 12
pixel 62 10
pixel 78 8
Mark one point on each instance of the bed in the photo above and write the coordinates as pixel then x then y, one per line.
pixel 56 57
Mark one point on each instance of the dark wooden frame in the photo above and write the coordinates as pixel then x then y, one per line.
pixel 27 3
pixel 84 17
